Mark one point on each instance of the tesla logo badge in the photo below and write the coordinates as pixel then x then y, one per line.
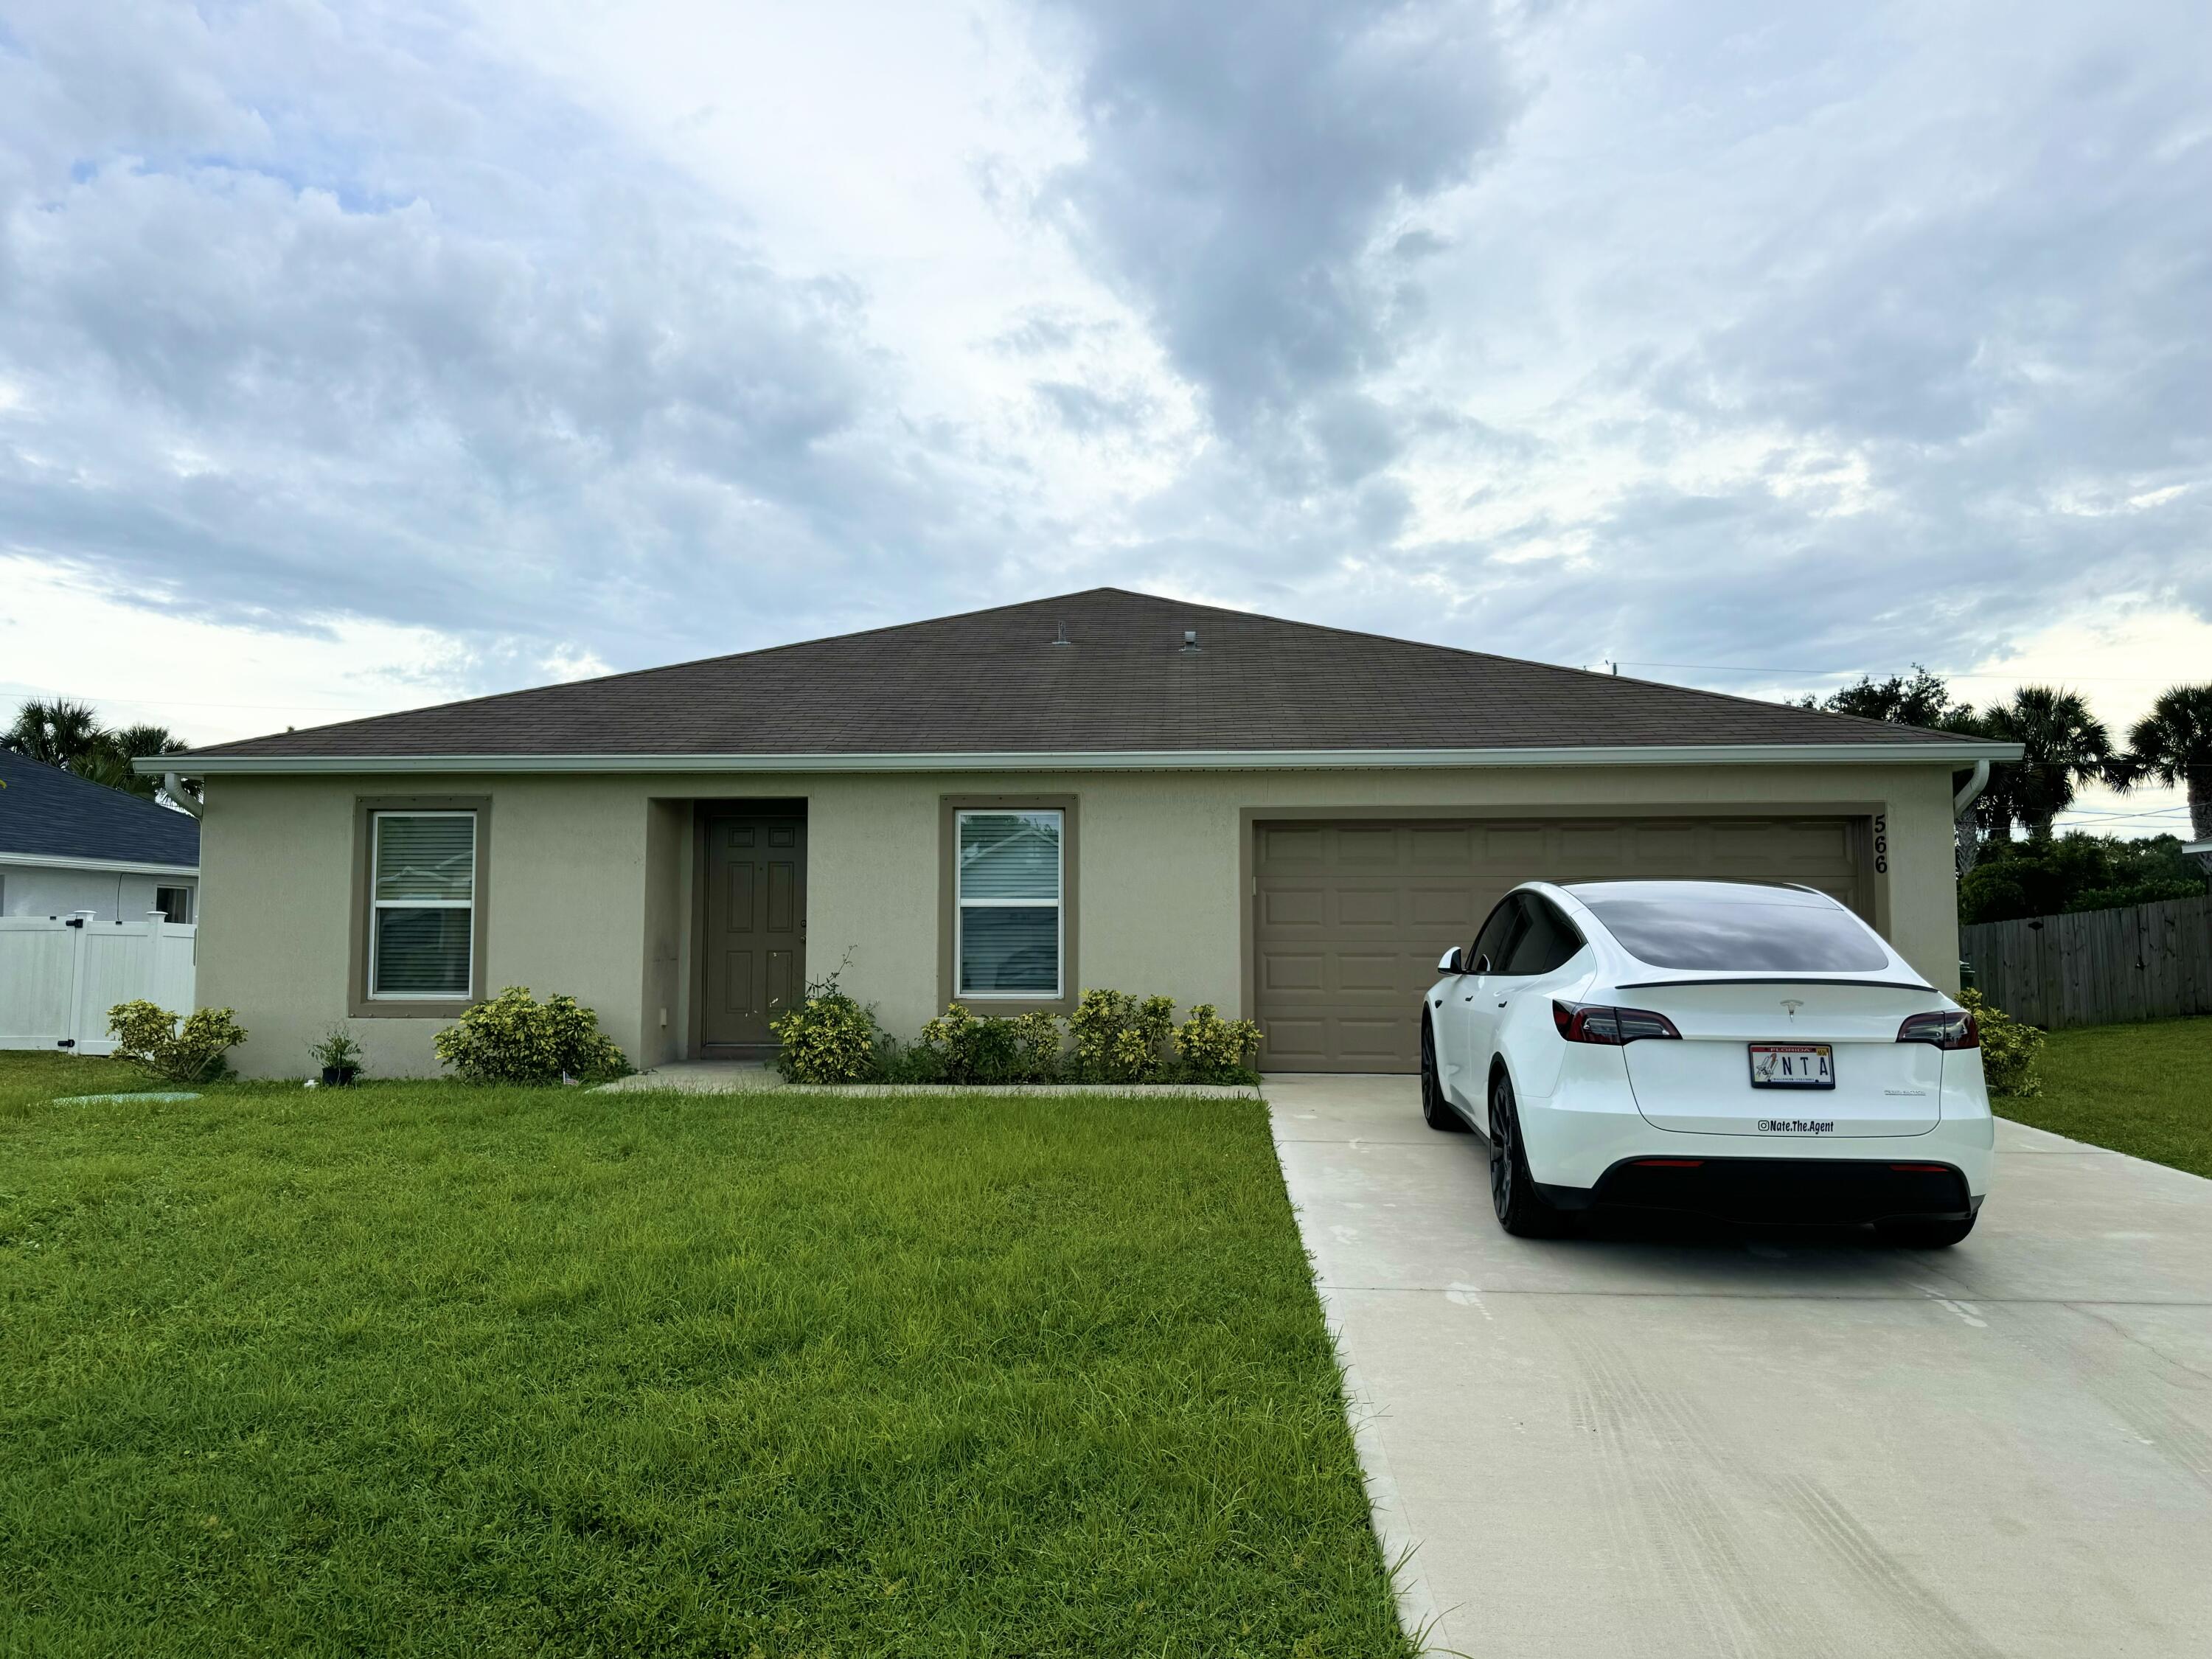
pixel 1792 1005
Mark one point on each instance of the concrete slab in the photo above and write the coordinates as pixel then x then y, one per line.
pixel 1696 1442
pixel 750 1077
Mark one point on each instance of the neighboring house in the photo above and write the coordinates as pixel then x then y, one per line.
pixel 1009 807
pixel 69 845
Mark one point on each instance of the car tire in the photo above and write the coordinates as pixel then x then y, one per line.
pixel 1924 1235
pixel 1435 1111
pixel 1521 1208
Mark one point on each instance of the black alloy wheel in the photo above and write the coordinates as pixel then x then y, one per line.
pixel 1521 1211
pixel 1436 1110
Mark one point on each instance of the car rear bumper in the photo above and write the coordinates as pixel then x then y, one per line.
pixel 1809 1191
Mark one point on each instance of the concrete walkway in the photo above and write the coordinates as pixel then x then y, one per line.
pixel 1653 1444
pixel 722 1077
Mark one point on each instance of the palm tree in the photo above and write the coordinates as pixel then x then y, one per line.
pixel 2066 746
pixel 129 741
pixel 58 733
pixel 69 735
pixel 2173 743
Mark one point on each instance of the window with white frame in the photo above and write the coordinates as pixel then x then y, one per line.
pixel 423 905
pixel 1008 930
pixel 175 904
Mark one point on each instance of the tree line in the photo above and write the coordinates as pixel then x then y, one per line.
pixel 2066 745
pixel 72 735
pixel 2065 748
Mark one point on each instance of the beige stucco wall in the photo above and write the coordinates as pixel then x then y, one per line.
pixel 590 878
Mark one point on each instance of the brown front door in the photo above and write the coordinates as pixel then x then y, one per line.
pixel 755 926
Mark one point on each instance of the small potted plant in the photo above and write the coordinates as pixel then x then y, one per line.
pixel 340 1056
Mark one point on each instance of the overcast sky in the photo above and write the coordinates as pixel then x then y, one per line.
pixel 354 357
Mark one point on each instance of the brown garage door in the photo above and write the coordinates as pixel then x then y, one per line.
pixel 1350 917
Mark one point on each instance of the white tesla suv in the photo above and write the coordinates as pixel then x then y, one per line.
pixel 1751 1052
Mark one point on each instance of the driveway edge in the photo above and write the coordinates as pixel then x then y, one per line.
pixel 1418 1615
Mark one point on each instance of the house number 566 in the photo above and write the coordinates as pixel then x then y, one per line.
pixel 1881 843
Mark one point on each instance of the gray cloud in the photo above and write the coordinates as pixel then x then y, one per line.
pixel 1243 159
pixel 1890 341
pixel 386 354
pixel 1868 338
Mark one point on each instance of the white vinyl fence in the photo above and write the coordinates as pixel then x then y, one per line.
pixel 60 976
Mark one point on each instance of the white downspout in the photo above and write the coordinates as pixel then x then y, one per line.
pixel 173 786
pixel 1966 796
pixel 1961 803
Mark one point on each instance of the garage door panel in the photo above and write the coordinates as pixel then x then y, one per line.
pixel 1452 908
pixel 1302 843
pixel 1596 847
pixel 1360 970
pixel 1371 907
pixel 1283 970
pixel 1293 907
pixel 1361 845
pixel 1375 1041
pixel 1670 845
pixel 1294 1044
pixel 1349 919
pixel 1515 846
pixel 1449 849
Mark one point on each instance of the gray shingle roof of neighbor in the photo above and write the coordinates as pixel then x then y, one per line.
pixel 994 682
pixel 46 812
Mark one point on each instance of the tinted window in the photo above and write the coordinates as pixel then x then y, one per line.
pixel 1549 940
pixel 1750 939
pixel 1495 939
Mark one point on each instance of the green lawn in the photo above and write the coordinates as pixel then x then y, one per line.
pixel 2144 1089
pixel 421 1368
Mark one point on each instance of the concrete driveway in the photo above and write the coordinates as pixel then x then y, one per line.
pixel 1650 1444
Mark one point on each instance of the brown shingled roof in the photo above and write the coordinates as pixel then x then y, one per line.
pixel 993 682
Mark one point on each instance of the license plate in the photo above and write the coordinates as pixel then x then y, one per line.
pixel 1793 1066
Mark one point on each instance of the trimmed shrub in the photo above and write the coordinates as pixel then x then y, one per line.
pixel 515 1038
pixel 828 1038
pixel 190 1052
pixel 2009 1049
pixel 1036 1046
pixel 1024 1049
pixel 1118 1038
pixel 1216 1050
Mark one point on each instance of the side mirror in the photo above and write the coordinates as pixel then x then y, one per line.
pixel 1450 963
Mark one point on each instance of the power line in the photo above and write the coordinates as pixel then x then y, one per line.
pixel 2116 818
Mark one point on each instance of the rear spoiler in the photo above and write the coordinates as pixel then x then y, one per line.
pixel 1778 978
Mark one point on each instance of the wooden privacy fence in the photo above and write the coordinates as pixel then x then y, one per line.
pixel 2096 967
pixel 60 975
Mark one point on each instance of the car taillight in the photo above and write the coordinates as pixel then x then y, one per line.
pixel 1589 1021
pixel 1947 1028
pixel 1943 1029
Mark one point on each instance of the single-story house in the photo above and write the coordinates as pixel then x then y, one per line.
pixel 68 846
pixel 1009 807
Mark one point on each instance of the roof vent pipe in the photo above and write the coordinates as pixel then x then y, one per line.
pixel 1190 639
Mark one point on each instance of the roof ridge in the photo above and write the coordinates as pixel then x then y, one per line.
pixel 961 681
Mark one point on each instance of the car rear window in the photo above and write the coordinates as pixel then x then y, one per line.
pixel 1737 938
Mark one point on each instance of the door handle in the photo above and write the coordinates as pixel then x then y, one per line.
pixel 1501 1002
